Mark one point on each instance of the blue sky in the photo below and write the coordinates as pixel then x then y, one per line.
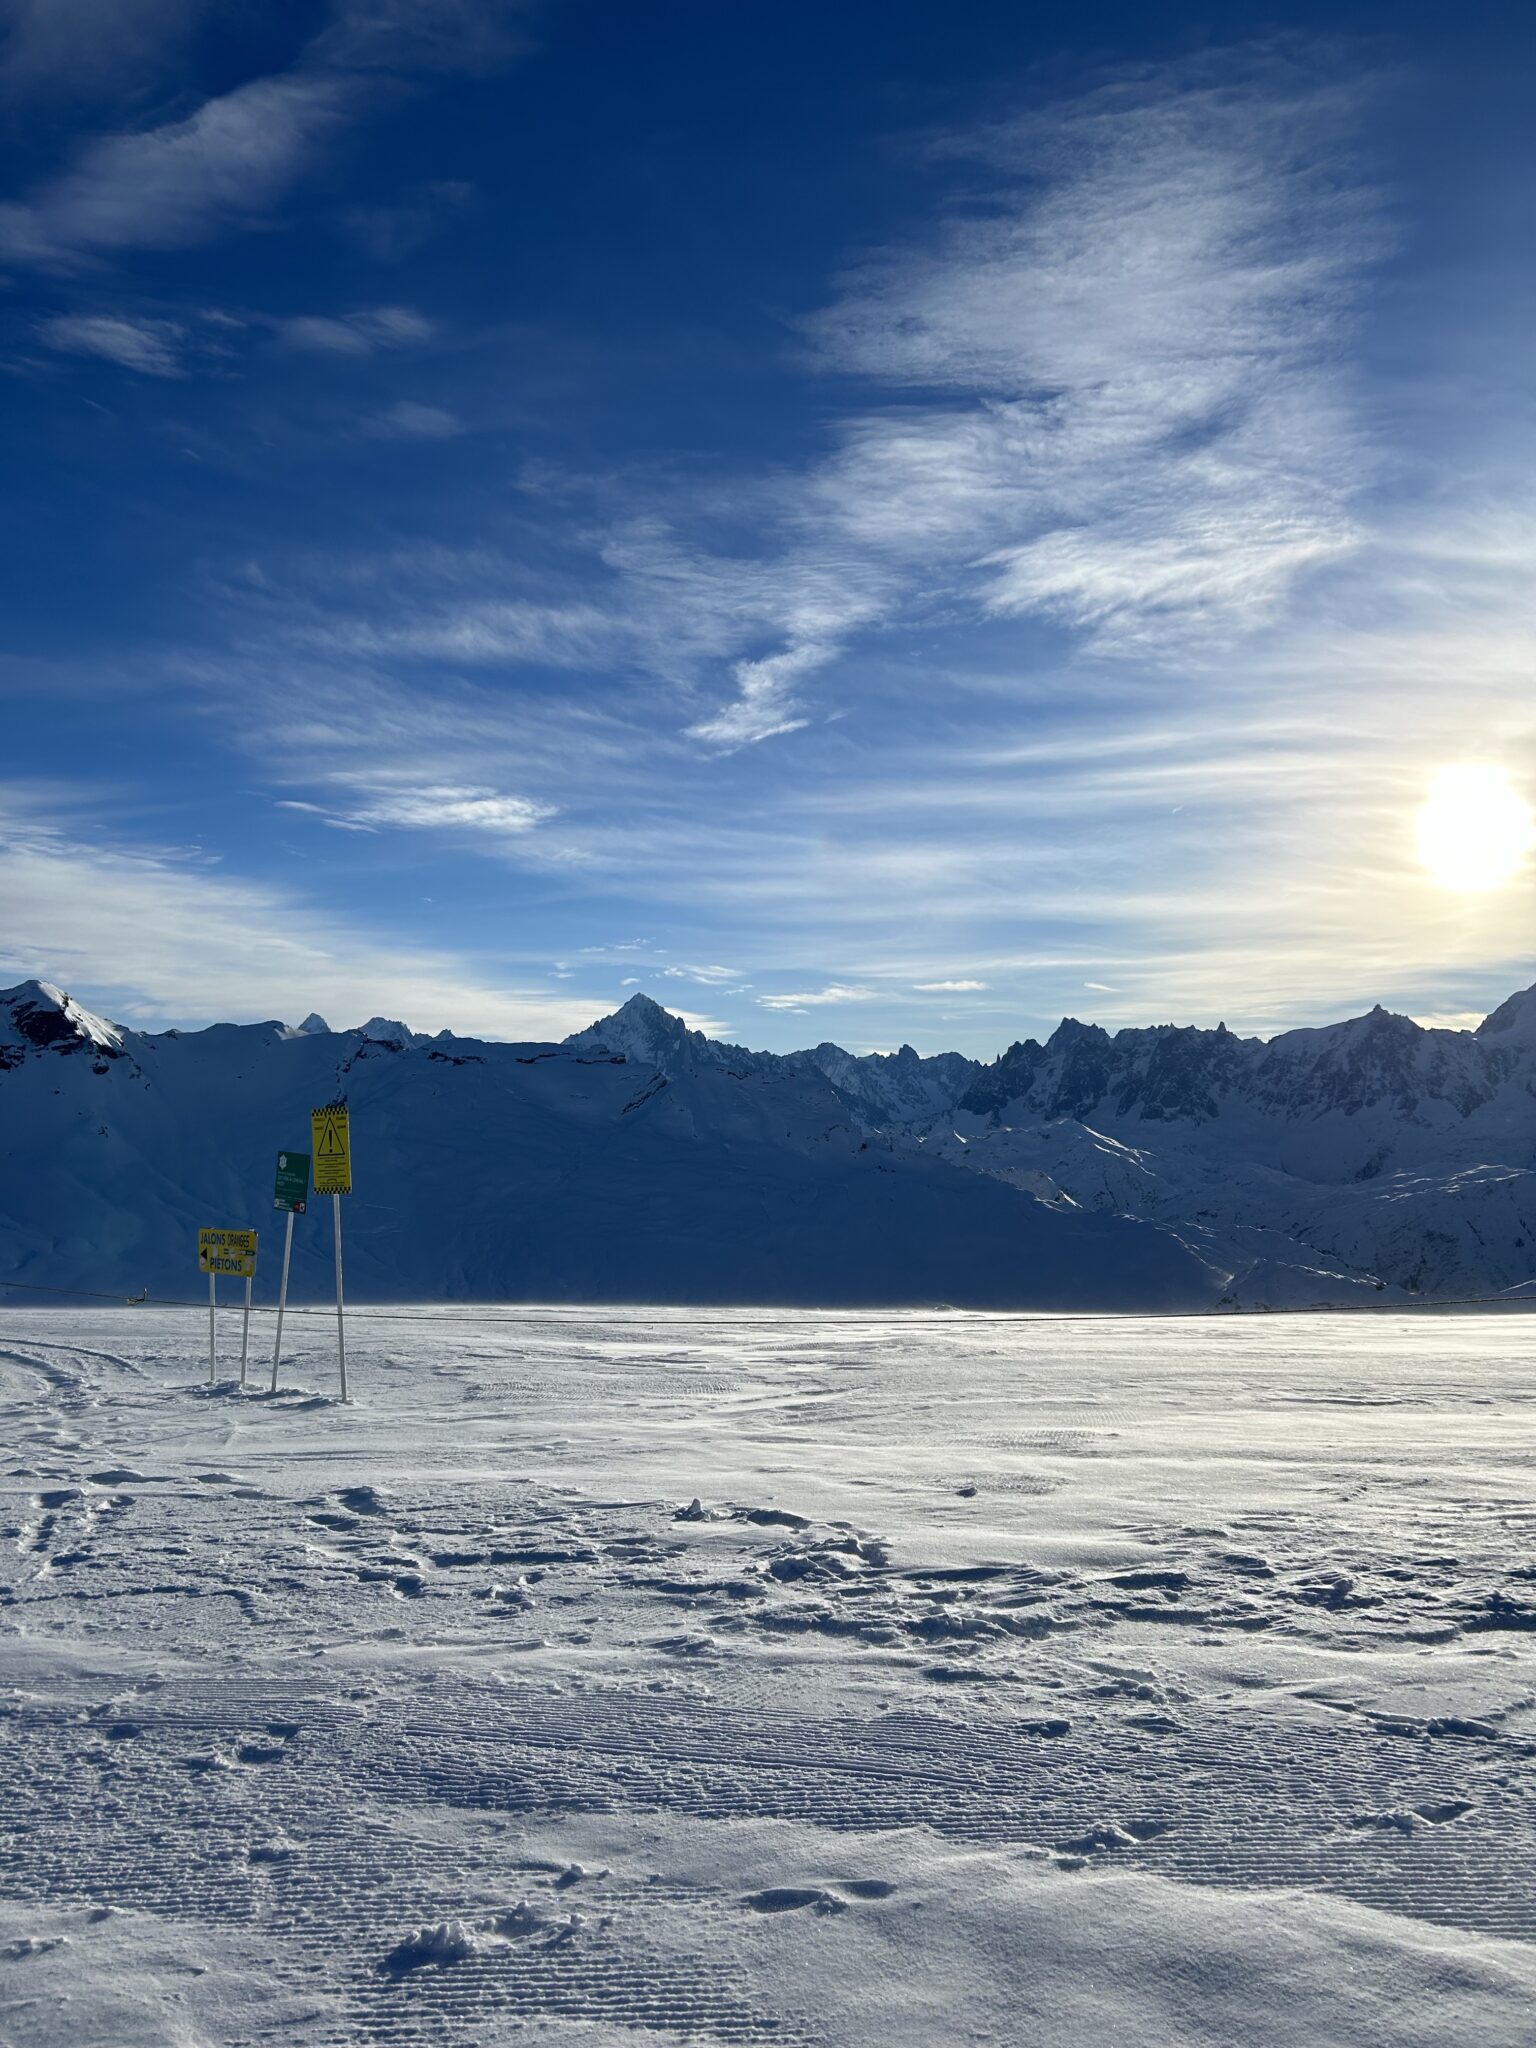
pixel 875 522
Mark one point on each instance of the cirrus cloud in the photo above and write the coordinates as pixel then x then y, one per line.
pixel 176 185
pixel 147 346
pixel 814 999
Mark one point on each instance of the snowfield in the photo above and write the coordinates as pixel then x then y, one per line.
pixel 747 1676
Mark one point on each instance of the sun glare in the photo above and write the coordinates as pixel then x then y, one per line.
pixel 1474 832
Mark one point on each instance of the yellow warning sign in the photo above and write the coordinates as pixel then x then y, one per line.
pixel 227 1251
pixel 332 1145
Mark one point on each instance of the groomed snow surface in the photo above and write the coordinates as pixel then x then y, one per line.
pixel 749 1677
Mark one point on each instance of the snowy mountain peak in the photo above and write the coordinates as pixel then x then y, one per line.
pixel 314 1026
pixel 644 1032
pixel 1070 1032
pixel 37 1015
pixel 388 1031
pixel 1514 1021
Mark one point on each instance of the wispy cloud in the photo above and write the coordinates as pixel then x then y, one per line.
pixel 353 334
pixel 149 346
pixel 775 615
pixel 709 977
pixel 81 48
pixel 444 807
pixel 765 704
pixel 414 36
pixel 818 998
pixel 486 632
pixel 1112 385
pixel 176 185
pixel 948 987
pixel 432 807
pixel 239 154
pixel 407 420
pixel 688 608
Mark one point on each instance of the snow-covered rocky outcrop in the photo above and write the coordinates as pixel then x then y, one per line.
pixel 37 1017
pixel 901 1087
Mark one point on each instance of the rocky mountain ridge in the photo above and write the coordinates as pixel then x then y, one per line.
pixel 1375 1157
pixel 1376 1153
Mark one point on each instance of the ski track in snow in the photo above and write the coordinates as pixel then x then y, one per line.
pixel 632 1676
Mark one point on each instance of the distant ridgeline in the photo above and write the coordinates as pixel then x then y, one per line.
pixel 1365 1162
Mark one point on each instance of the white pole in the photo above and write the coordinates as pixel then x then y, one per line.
pixel 282 1299
pixel 213 1282
pixel 245 1330
pixel 341 1325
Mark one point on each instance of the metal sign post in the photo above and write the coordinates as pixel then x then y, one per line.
pixel 332 1138
pixel 290 1192
pixel 245 1328
pixel 341 1321
pixel 282 1299
pixel 226 1251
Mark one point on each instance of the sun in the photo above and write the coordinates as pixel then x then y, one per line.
pixel 1474 831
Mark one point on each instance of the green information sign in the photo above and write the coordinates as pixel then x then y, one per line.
pixel 292 1189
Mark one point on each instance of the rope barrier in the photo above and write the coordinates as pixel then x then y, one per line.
pixel 491 1309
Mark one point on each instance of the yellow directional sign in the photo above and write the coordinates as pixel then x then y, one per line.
pixel 332 1143
pixel 227 1251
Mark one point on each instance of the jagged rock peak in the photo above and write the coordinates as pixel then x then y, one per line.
pixel 642 1030
pixel 314 1026
pixel 389 1031
pixel 1071 1032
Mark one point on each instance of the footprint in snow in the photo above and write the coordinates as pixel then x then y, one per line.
pixel 823 1899
pixel 446 1942
pixel 790 1898
pixel 362 1500
pixel 33 1945
pixel 441 1943
pixel 1112 1836
pixel 1407 1820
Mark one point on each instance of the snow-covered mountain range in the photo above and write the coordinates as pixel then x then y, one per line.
pixel 661 1168
pixel 1166 1167
pixel 1372 1156
pixel 1378 1148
